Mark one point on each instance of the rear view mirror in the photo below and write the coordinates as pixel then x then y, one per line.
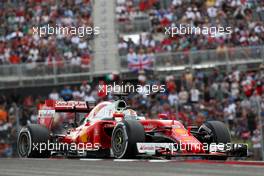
pixel 120 115
pixel 162 116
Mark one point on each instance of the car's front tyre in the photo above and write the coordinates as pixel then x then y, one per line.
pixel 219 135
pixel 125 136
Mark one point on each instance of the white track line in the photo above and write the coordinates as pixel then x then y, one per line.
pixel 239 166
pixel 250 161
pixel 162 161
pixel 91 159
pixel 125 160
pixel 159 161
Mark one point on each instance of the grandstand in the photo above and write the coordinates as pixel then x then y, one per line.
pixel 207 77
pixel 28 59
pixel 138 25
pixel 142 23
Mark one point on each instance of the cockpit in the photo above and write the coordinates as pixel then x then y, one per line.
pixel 105 110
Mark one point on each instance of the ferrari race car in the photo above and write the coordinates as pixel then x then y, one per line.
pixel 113 129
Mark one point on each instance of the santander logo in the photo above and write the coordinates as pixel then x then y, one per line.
pixel 149 127
pixel 147 147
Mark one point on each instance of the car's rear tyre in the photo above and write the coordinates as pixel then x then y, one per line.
pixel 125 136
pixel 29 140
pixel 220 134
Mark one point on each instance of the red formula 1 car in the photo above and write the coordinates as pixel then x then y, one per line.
pixel 112 129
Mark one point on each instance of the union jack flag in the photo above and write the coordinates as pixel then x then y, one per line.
pixel 140 62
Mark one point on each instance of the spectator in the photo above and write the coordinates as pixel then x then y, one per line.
pixel 85 87
pixel 77 94
pixel 173 98
pixel 3 114
pixel 194 95
pixel 54 95
pixel 183 96
pixel 256 140
pixel 66 93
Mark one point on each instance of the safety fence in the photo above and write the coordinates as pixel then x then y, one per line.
pixel 40 74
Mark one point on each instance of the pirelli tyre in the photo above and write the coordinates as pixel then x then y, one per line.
pixel 220 134
pixel 125 136
pixel 29 140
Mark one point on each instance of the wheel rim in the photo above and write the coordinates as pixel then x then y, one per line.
pixel 23 145
pixel 119 142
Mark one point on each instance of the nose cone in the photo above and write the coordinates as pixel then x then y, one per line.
pixel 187 142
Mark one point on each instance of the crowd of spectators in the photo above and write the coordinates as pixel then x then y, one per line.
pixel 19 43
pixel 236 98
pixel 245 17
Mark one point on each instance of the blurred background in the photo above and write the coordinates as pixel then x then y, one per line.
pixel 206 78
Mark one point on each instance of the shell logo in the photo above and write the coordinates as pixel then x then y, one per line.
pixel 84 138
pixel 180 131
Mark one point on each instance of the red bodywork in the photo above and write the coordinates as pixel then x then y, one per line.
pixel 96 131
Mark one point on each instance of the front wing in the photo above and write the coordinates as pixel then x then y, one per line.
pixel 170 149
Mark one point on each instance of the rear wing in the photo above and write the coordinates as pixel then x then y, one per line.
pixel 47 111
pixel 69 106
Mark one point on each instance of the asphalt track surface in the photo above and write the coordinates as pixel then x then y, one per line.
pixel 93 167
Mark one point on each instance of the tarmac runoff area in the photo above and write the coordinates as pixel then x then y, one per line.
pixel 110 167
